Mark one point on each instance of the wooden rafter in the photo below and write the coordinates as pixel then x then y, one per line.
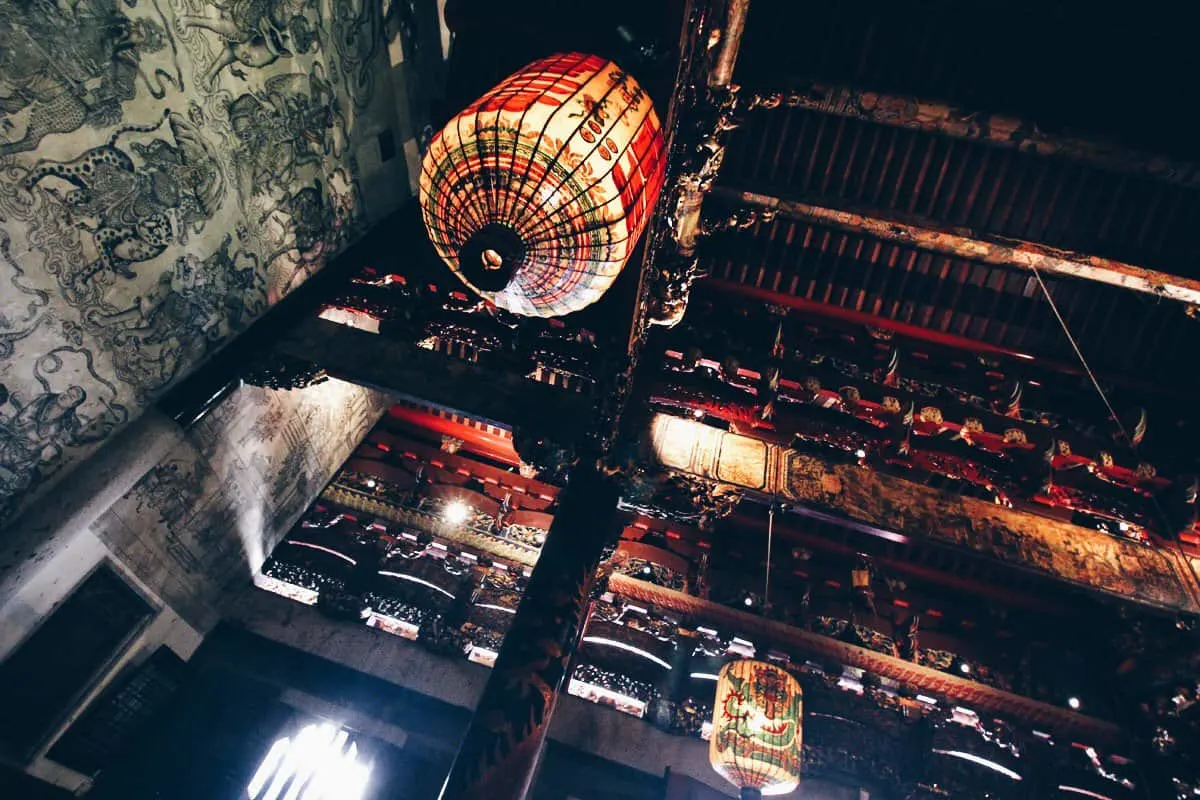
pixel 999 130
pixel 972 245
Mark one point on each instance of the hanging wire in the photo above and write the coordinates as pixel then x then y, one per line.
pixel 1104 397
pixel 770 539
pixel 1083 361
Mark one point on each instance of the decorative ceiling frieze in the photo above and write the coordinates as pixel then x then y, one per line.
pixel 1134 571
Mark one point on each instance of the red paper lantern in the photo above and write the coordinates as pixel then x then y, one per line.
pixel 536 194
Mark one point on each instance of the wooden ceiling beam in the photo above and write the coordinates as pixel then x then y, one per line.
pixel 890 507
pixel 998 130
pixel 502 396
pixel 726 289
pixel 804 644
pixel 903 558
pixel 972 245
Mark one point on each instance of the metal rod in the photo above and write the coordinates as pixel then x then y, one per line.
pixel 770 539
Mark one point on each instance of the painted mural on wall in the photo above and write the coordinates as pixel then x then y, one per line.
pixel 206 516
pixel 168 170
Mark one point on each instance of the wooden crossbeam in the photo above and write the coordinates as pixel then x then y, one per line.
pixel 805 644
pixel 999 130
pixel 892 508
pixel 976 246
pixel 404 370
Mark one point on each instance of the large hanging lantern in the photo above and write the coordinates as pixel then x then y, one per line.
pixel 536 194
pixel 757 727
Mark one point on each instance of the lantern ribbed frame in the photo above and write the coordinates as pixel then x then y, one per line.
pixel 757 734
pixel 536 194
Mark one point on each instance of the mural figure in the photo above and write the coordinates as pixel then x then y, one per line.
pixel 34 434
pixel 189 313
pixel 113 240
pixel 133 211
pixel 21 283
pixel 67 65
pixel 169 492
pixel 292 484
pixel 294 121
pixel 8 342
pixel 37 427
pixel 254 33
pixel 357 35
pixel 306 227
pixel 311 222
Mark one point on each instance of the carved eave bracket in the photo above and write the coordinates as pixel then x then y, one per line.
pixel 704 109
pixel 679 497
pixel 277 370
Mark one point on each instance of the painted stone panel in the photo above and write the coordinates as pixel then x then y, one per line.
pixel 205 517
pixel 169 169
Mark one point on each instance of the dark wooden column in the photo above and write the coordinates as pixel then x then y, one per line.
pixel 499 754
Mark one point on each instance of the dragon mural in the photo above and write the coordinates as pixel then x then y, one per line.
pixel 168 170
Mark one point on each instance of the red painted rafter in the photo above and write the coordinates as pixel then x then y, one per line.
pixel 476 438
pixel 919 333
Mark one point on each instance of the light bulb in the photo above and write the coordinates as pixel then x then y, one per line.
pixel 456 512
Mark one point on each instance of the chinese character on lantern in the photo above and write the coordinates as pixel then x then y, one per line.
pixel 536 194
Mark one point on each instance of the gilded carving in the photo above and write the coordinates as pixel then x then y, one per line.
pixel 1083 555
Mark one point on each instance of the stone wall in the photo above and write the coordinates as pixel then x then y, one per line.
pixel 205 517
pixel 169 169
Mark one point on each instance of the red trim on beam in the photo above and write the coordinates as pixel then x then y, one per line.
pixel 941 577
pixel 916 332
pixel 830 311
pixel 475 440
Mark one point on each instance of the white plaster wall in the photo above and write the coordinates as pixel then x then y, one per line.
pixel 57 578
pixel 199 521
pixel 47 587
pixel 147 219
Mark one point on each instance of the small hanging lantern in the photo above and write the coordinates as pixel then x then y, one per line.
pixel 757 729
pixel 536 194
